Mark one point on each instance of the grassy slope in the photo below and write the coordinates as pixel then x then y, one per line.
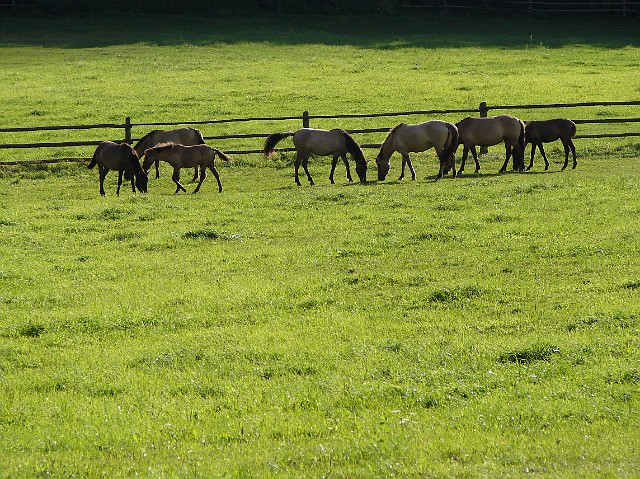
pixel 472 328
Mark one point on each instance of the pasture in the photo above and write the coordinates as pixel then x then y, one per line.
pixel 484 326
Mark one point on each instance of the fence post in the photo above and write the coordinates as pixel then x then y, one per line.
pixel 127 130
pixel 305 119
pixel 483 114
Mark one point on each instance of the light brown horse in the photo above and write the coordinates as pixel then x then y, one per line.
pixel 492 131
pixel 407 139
pixel 546 131
pixel 310 141
pixel 180 136
pixel 122 158
pixel 185 156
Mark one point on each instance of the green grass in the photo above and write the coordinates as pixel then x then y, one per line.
pixel 166 69
pixel 485 326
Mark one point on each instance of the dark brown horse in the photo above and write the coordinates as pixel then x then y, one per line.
pixel 122 158
pixel 180 136
pixel 546 131
pixel 310 141
pixel 491 131
pixel 183 156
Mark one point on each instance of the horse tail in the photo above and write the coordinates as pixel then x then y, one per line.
pixel 453 140
pixel 573 129
pixel 521 142
pixel 273 140
pixel 93 162
pixel 353 147
pixel 222 155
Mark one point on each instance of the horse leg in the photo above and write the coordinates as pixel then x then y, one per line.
pixel 569 146
pixel 305 165
pixel 133 185
pixel 334 163
pixel 119 182
pixel 102 172
pixel 573 151
pixel 533 153
pixel 465 153
pixel 195 173
pixel 406 161
pixel 475 157
pixel 509 149
pixel 176 180
pixel 404 164
pixel 297 167
pixel 544 157
pixel 203 175
pixel 216 175
pixel 413 172
pixel 157 169
pixel 346 165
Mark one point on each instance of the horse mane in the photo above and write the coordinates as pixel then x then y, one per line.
pixel 133 159
pixel 163 146
pixel 353 147
pixel 145 138
pixel 389 138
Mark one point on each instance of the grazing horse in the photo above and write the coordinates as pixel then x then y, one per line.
pixel 120 157
pixel 180 136
pixel 309 141
pixel 546 131
pixel 405 138
pixel 491 131
pixel 185 156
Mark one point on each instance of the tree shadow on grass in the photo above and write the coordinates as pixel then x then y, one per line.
pixel 428 30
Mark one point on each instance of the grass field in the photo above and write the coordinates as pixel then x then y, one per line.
pixel 484 326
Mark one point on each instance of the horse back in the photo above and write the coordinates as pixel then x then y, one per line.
pixel 320 142
pixel 422 136
pixel 181 136
pixel 187 156
pixel 545 131
pixel 489 131
pixel 115 156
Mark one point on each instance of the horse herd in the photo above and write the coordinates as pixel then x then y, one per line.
pixel 186 148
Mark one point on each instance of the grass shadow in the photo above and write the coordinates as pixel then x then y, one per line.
pixel 427 30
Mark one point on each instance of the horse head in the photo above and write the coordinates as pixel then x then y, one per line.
pixel 383 168
pixel 142 181
pixel 149 158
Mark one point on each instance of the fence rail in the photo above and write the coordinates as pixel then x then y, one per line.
pixel 482 110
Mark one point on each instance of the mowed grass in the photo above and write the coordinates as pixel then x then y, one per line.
pixel 483 326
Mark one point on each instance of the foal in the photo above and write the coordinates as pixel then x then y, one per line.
pixel 182 156
pixel 120 157
pixel 546 131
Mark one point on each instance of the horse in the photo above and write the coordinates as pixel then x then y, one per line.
pixel 310 141
pixel 546 131
pixel 491 131
pixel 181 136
pixel 120 157
pixel 405 138
pixel 185 156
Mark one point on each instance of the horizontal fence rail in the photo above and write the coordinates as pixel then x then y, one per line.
pixel 305 119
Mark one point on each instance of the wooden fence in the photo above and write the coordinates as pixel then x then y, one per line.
pixel 305 121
